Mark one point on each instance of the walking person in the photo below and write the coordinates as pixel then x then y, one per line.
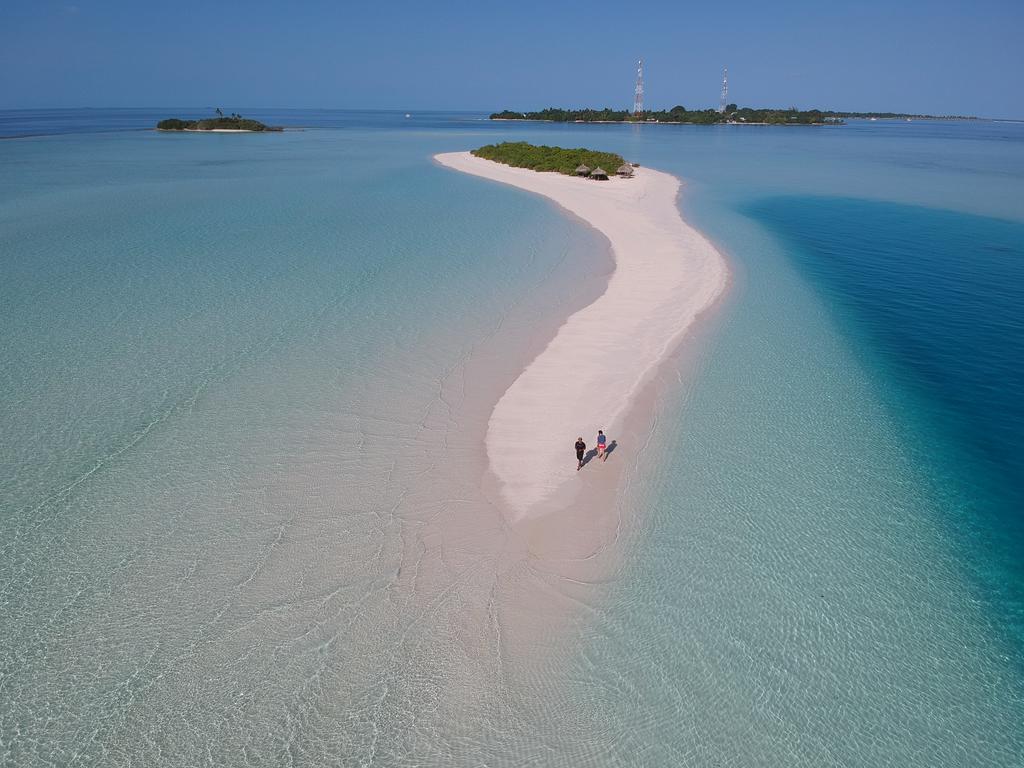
pixel 601 440
pixel 581 448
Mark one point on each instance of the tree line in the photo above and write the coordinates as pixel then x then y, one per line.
pixel 231 122
pixel 680 114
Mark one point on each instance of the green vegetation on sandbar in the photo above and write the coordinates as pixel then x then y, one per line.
pixel 680 114
pixel 229 123
pixel 522 155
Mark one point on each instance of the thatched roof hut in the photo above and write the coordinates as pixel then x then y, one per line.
pixel 625 170
pixel 599 173
pixel 582 170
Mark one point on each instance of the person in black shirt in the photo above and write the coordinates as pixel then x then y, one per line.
pixel 581 448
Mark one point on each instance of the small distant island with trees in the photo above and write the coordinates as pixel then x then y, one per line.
pixel 520 154
pixel 231 123
pixel 731 115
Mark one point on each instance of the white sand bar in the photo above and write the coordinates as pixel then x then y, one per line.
pixel 666 274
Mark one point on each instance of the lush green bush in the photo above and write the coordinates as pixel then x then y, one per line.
pixel 522 155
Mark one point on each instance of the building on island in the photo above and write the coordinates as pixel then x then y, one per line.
pixel 625 170
pixel 599 173
pixel 582 170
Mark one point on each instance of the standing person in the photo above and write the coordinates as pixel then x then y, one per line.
pixel 581 448
pixel 601 440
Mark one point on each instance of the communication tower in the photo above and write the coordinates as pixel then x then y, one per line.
pixel 725 90
pixel 638 94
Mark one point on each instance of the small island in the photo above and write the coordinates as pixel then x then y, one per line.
pixel 221 124
pixel 731 115
pixel 571 162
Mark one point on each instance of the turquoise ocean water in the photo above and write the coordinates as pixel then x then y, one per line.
pixel 222 363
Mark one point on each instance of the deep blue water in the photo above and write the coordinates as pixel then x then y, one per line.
pixel 937 297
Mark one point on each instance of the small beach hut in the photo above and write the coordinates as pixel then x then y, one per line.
pixel 582 170
pixel 599 173
pixel 625 170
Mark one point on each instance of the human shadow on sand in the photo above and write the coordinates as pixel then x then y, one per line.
pixel 592 453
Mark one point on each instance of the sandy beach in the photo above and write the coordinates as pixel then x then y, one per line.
pixel 589 375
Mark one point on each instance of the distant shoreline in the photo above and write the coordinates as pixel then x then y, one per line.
pixel 730 114
pixel 659 122
pixel 739 122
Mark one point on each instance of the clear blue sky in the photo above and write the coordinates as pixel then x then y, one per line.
pixel 937 57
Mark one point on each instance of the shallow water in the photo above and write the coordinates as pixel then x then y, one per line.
pixel 228 364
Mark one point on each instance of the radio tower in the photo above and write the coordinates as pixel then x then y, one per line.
pixel 638 94
pixel 725 90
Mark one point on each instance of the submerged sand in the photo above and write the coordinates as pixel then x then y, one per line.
pixel 589 375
